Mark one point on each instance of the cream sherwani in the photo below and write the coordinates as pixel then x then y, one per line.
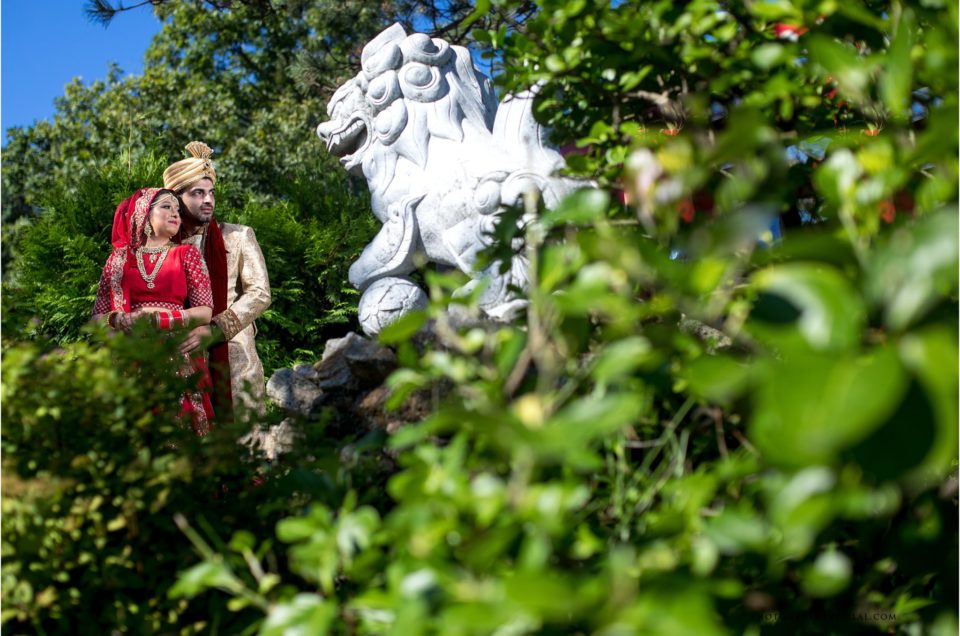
pixel 248 296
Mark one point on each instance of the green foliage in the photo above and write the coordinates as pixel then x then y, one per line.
pixel 50 286
pixel 308 254
pixel 101 474
pixel 95 461
pixel 697 427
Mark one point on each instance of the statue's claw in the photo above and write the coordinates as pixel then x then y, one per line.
pixel 391 251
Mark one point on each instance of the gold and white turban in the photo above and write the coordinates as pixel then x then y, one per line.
pixel 182 174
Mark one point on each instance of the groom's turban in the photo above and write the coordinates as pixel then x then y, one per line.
pixel 185 172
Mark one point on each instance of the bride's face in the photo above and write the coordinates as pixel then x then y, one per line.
pixel 165 217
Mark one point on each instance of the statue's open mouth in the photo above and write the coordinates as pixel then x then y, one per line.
pixel 349 139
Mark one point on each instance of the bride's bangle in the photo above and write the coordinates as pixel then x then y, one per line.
pixel 169 320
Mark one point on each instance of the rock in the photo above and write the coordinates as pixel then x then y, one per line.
pixel 349 382
pixel 272 442
pixel 294 392
pixel 353 363
pixel 415 408
pixel 307 371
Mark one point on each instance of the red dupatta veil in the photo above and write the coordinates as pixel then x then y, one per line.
pixel 129 224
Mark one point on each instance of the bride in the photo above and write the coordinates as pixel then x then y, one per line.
pixel 149 277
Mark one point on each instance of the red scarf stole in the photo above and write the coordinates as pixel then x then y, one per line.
pixel 215 254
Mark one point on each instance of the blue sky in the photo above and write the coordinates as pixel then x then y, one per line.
pixel 46 43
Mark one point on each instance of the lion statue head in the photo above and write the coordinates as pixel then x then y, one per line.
pixel 411 92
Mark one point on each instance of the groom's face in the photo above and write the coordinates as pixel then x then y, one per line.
pixel 199 200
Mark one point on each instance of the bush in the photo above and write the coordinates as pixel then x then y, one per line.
pixel 98 470
pixel 95 463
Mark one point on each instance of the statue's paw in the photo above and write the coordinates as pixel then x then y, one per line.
pixel 391 251
pixel 386 300
pixel 507 311
pixel 499 294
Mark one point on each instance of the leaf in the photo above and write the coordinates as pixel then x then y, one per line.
pixel 622 358
pixel 242 541
pixel 737 530
pixel 717 378
pixel 931 355
pixel 801 508
pixel 811 406
pixel 829 575
pixel 402 329
pixel 294 529
pixel 916 269
pixel 547 595
pixel 355 531
pixel 304 615
pixel 775 10
pixel 592 416
pixel 768 55
pixel 831 314
pixel 851 72
pixel 199 578
pixel 581 207
pixel 481 8
pixel 897 80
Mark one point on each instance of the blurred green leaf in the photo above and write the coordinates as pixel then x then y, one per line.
pixel 841 62
pixel 303 615
pixel 717 378
pixel 203 576
pixel 897 80
pixel 402 329
pixel 915 269
pixel 582 207
pixel 831 314
pixel 621 359
pixel 811 406
pixel 931 355
pixel 829 575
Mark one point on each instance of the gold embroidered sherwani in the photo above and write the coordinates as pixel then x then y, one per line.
pixel 248 296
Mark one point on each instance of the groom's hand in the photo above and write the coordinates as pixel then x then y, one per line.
pixel 198 336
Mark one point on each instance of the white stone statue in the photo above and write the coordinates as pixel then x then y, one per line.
pixel 442 162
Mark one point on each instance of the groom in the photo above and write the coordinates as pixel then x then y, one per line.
pixel 238 277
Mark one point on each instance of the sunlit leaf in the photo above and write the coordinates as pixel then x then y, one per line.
pixel 831 314
pixel 916 269
pixel 303 615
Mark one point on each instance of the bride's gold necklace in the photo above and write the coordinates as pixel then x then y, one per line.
pixel 157 256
